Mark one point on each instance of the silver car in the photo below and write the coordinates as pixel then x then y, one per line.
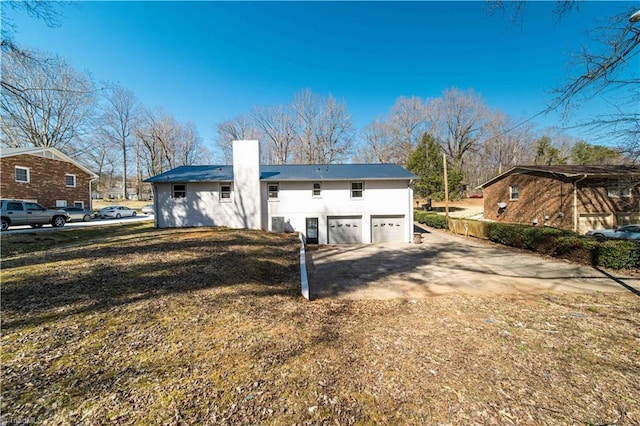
pixel 116 212
pixel 627 232
pixel 77 213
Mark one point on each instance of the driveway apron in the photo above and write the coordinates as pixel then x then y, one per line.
pixel 444 264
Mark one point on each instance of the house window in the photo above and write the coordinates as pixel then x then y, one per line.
pixel 22 174
pixel 61 203
pixel 225 192
pixel 70 180
pixel 179 191
pixel 78 204
pixel 357 189
pixel 514 193
pixel 317 189
pixel 273 191
pixel 618 188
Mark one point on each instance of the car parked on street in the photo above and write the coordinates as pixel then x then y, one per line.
pixel 19 212
pixel 148 209
pixel 78 213
pixel 627 232
pixel 115 212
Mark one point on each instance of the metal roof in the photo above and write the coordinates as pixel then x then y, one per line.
pixel 570 171
pixel 289 172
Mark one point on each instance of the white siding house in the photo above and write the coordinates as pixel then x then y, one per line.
pixel 336 203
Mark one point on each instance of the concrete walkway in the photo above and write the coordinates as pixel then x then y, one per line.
pixel 445 263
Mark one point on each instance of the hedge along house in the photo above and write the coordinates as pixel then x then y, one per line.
pixel 46 176
pixel 328 203
pixel 578 198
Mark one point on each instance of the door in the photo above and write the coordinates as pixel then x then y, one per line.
pixel 387 229
pixel 36 213
pixel 344 229
pixel 16 213
pixel 312 230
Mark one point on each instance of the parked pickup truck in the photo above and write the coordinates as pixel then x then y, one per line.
pixel 18 212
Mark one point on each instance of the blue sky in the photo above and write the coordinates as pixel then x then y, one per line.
pixel 209 61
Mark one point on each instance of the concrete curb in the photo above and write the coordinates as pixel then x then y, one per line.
pixel 304 282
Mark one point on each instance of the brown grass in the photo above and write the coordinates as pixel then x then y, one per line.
pixel 205 326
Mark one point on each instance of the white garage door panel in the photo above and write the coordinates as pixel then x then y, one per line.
pixel 345 230
pixel 589 221
pixel 387 229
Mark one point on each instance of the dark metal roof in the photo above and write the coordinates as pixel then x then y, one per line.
pixel 291 172
pixel 570 171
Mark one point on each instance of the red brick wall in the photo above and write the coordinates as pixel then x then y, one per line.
pixel 544 198
pixel 47 181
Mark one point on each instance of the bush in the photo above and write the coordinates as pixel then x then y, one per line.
pixel 431 219
pixel 614 254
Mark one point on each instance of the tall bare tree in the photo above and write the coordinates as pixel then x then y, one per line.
pixel 275 123
pixel 48 105
pixel 237 128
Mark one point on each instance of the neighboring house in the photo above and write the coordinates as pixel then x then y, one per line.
pixel 335 203
pixel 44 175
pixel 578 198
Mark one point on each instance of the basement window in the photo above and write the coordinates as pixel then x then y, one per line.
pixel 514 193
pixel 179 191
pixel 22 174
pixel 273 189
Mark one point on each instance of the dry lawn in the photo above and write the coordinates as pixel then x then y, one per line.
pixel 205 326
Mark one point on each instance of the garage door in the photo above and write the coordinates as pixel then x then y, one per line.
pixel 345 229
pixel 387 229
pixel 589 221
pixel 630 218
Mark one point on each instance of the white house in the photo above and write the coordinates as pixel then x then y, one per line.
pixel 328 203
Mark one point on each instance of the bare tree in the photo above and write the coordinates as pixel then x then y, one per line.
pixel 118 120
pixel 276 124
pixel 227 131
pixel 379 144
pixel 48 105
pixel 334 131
pixel 305 113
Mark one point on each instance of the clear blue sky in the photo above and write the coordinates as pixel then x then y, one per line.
pixel 208 61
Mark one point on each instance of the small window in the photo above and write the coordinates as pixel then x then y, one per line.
pixel 78 204
pixel 179 191
pixel 70 180
pixel 22 174
pixel 618 188
pixel 61 203
pixel 357 189
pixel 514 192
pixel 225 192
pixel 317 189
pixel 273 191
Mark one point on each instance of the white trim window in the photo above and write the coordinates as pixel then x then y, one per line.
pixel 618 188
pixel 179 190
pixel 70 180
pixel 357 190
pixel 514 193
pixel 225 192
pixel 78 204
pixel 273 189
pixel 61 203
pixel 317 190
pixel 23 174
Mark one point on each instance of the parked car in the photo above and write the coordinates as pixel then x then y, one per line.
pixel 148 209
pixel 19 212
pixel 628 232
pixel 78 213
pixel 115 212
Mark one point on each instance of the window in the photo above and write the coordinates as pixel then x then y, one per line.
pixel 13 206
pixel 70 180
pixel 225 192
pixel 357 189
pixel 514 193
pixel 179 191
pixel 22 174
pixel 317 189
pixel 61 203
pixel 273 191
pixel 78 204
pixel 618 188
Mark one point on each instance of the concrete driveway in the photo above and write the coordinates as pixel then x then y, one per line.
pixel 445 263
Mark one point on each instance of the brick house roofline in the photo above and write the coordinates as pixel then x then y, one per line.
pixel 569 171
pixel 49 152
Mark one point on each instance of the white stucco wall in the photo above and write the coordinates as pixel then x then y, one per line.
pixel 246 183
pixel 381 198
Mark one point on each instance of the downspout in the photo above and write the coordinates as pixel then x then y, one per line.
pixel 575 203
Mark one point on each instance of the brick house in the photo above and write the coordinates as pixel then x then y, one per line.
pixel 46 176
pixel 577 198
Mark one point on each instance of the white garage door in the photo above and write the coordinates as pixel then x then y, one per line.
pixel 589 221
pixel 345 229
pixel 387 229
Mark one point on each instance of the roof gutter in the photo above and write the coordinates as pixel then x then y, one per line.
pixel 575 203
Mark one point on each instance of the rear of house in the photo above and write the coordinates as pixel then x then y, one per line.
pixel 46 176
pixel 578 198
pixel 329 204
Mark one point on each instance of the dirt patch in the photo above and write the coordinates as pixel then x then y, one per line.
pixel 207 327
